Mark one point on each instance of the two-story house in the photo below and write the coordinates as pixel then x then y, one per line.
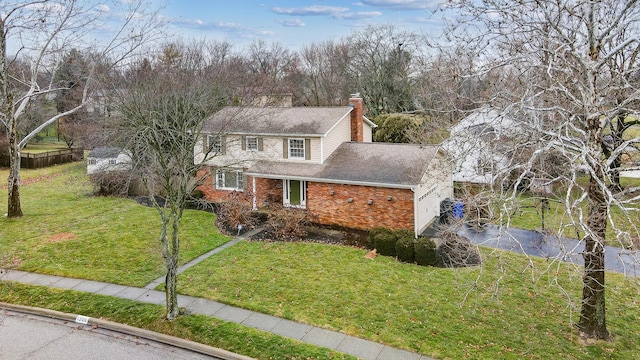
pixel 322 159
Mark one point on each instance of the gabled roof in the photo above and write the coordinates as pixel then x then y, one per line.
pixel 315 121
pixel 382 164
pixel 105 152
pixel 483 121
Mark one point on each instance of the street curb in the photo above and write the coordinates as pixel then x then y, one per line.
pixel 129 330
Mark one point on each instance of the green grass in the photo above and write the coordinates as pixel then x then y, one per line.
pixel 511 308
pixel 107 239
pixel 35 148
pixel 199 328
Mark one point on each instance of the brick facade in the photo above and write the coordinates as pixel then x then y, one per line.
pixel 268 191
pixel 331 206
pixel 208 187
pixel 351 206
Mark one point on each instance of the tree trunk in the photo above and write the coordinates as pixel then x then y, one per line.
pixel 171 260
pixel 171 289
pixel 592 315
pixel 14 207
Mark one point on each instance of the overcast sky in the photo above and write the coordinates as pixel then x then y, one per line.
pixel 293 23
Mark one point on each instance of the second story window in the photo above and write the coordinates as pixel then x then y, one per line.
pixel 296 149
pixel 252 143
pixel 216 144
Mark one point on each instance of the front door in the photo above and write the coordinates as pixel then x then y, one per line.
pixel 295 193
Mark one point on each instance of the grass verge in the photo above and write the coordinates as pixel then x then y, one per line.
pixel 199 328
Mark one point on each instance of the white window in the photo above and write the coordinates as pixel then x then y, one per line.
pixel 252 143
pixel 296 149
pixel 92 161
pixel 215 143
pixel 112 161
pixel 229 179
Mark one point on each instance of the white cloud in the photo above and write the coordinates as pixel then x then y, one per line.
pixel 315 10
pixel 103 8
pixel 401 4
pixel 292 23
pixel 359 15
pixel 332 11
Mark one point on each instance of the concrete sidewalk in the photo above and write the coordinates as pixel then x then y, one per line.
pixel 310 334
pixel 361 348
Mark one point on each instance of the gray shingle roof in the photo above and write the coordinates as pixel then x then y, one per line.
pixel 276 120
pixel 360 163
pixel 105 152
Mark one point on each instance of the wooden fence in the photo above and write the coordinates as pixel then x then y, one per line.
pixel 50 158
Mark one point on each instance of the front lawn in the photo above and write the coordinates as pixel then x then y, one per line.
pixel 68 232
pixel 511 308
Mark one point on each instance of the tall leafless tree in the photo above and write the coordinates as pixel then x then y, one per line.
pixel 383 61
pixel 163 109
pixel 41 31
pixel 324 70
pixel 563 77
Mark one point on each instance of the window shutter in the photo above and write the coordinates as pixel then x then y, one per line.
pixel 223 140
pixel 244 143
pixel 285 148
pixel 260 144
pixel 307 149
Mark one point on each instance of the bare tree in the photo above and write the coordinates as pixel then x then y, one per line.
pixel 41 31
pixel 325 79
pixel 382 65
pixel 271 66
pixel 163 112
pixel 560 70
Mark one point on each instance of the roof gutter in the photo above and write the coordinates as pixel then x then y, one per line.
pixel 334 181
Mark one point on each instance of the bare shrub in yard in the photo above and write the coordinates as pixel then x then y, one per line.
pixel 236 211
pixel 287 223
pixel 457 251
pixel 111 183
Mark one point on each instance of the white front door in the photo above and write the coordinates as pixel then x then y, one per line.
pixel 295 193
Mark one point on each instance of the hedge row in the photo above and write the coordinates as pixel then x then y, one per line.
pixel 403 245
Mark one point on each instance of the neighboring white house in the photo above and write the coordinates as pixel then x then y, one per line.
pixel 104 159
pixel 477 145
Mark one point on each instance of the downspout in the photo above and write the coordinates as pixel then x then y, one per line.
pixel 415 212
pixel 255 197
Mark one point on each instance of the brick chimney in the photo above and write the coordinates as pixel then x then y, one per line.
pixel 357 117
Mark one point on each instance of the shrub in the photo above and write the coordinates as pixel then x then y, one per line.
pixel 373 233
pixel 287 223
pixel 237 210
pixel 111 183
pixel 425 252
pixel 385 242
pixel 457 251
pixel 405 247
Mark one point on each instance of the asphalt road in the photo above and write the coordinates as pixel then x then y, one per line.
pixel 33 337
